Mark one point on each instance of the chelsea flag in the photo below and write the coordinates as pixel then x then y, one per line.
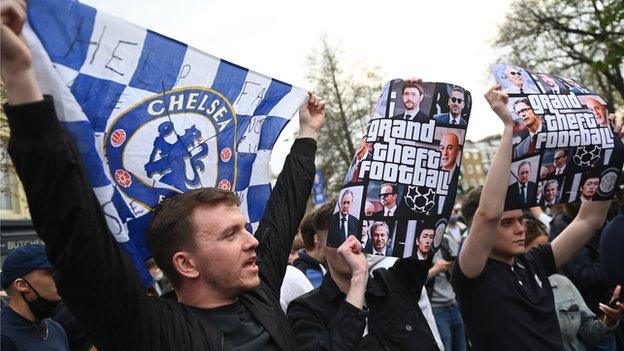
pixel 153 117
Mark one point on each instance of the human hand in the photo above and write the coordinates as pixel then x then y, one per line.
pixel 498 103
pixel 443 265
pixel 351 251
pixel 15 55
pixel 311 116
pixel 438 267
pixel 612 314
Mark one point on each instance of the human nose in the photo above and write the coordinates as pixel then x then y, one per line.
pixel 251 242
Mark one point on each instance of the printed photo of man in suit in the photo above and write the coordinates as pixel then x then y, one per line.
pixel 532 122
pixel 518 86
pixel 599 110
pixel 560 161
pixel 413 94
pixel 550 191
pixel 380 234
pixel 589 187
pixel 522 193
pixel 551 85
pixel 424 242
pixel 456 103
pixel 388 194
pixel 343 223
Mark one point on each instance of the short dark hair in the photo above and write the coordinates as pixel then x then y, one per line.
pixel 394 187
pixel 172 229
pixel 413 84
pixel 533 229
pixel 307 231
pixel 470 203
pixel 522 101
pixel 322 216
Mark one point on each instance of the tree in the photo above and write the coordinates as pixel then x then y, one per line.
pixel 582 39
pixel 350 97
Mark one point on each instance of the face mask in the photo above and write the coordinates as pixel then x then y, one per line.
pixel 41 307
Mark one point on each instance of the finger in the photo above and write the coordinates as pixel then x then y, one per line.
pixel 616 293
pixel 609 311
pixel 490 92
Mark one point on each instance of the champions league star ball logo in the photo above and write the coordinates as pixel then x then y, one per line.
pixel 587 156
pixel 173 142
pixel 420 199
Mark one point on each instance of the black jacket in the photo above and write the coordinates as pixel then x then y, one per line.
pixel 323 320
pixel 95 278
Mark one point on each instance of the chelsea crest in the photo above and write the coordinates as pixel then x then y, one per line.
pixel 173 142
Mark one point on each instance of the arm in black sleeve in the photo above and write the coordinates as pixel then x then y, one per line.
pixel 312 333
pixel 585 272
pixel 284 212
pixel 93 276
pixel 412 273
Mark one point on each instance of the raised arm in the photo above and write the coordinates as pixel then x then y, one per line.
pixel 94 278
pixel 289 197
pixel 345 328
pixel 16 69
pixel 587 223
pixel 484 228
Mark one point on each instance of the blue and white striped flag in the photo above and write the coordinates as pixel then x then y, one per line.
pixel 153 117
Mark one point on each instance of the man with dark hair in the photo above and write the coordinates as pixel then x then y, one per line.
pixel 413 94
pixel 26 323
pixel 343 223
pixel 522 192
pixel 504 294
pixel 311 259
pixel 456 103
pixel 533 124
pixel 424 241
pixel 589 187
pixel 227 281
pixel 332 317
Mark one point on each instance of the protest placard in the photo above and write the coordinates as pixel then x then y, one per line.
pixel 400 189
pixel 564 146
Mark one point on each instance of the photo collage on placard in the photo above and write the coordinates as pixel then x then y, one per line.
pixel 400 188
pixel 564 148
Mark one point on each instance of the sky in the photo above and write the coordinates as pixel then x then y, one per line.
pixel 439 40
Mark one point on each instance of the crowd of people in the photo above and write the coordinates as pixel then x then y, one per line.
pixel 502 279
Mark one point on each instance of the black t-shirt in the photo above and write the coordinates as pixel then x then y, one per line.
pixel 240 329
pixel 511 307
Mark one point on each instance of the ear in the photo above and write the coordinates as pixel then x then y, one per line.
pixel 316 240
pixel 185 265
pixel 20 286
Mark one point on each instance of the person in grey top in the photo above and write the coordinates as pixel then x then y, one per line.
pixel 443 303
pixel 579 326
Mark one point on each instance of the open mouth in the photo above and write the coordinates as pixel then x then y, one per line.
pixel 250 263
